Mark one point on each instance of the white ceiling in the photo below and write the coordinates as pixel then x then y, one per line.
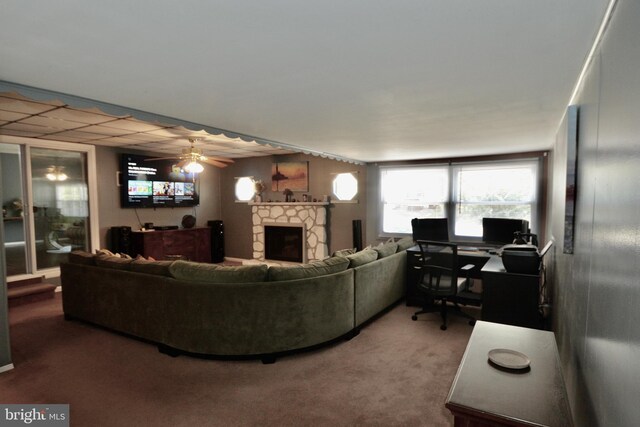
pixel 369 80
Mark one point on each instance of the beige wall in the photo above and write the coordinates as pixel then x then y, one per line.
pixel 111 214
pixel 237 216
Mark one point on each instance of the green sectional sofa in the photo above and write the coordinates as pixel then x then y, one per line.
pixel 244 311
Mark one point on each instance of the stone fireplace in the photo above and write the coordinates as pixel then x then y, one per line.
pixel 311 217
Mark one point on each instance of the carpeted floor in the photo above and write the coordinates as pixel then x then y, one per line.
pixel 395 372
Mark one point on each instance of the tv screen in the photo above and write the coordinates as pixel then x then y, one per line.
pixel 500 230
pixel 155 183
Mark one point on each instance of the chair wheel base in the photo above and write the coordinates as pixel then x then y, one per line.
pixel 414 317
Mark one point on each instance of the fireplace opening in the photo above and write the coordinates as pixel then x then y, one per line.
pixel 284 242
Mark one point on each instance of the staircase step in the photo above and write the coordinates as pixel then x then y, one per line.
pixel 24 282
pixel 29 293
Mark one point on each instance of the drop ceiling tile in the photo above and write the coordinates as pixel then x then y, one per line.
pixel 14 132
pixel 106 130
pixel 11 116
pixel 85 136
pixel 65 138
pixel 120 140
pixel 78 116
pixel 19 106
pixel 146 137
pixel 133 125
pixel 167 133
pixel 17 96
pixel 51 123
pixel 41 130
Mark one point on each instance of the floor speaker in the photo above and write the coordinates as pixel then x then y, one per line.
pixel 121 240
pixel 217 240
pixel 357 234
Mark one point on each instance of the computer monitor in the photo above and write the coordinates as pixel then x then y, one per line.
pixel 430 229
pixel 499 231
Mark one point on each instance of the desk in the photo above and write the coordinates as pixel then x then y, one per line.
pixel 510 298
pixel 482 395
pixel 507 298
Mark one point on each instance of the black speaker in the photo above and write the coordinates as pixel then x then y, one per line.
pixel 121 240
pixel 357 234
pixel 217 240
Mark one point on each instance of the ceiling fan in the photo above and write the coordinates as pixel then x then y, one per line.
pixel 192 157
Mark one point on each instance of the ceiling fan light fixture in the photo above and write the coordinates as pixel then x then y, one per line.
pixel 56 173
pixel 193 167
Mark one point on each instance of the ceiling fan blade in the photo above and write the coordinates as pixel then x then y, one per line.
pixel 214 162
pixel 182 163
pixel 153 159
pixel 220 159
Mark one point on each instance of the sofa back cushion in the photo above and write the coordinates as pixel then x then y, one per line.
pixel 159 268
pixel 386 249
pixel 115 262
pixel 405 243
pixel 211 273
pixel 82 257
pixel 362 257
pixel 314 269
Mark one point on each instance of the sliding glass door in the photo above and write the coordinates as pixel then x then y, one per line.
pixel 47 208
pixel 60 204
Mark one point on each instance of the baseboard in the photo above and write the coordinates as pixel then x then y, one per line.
pixel 6 368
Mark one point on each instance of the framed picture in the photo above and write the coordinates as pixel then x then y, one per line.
pixel 571 182
pixel 291 175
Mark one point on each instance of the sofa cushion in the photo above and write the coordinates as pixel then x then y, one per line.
pixel 160 268
pixel 211 273
pixel 405 243
pixel 344 252
pixel 386 249
pixel 362 257
pixel 82 257
pixel 313 269
pixel 114 262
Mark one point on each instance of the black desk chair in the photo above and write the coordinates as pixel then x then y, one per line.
pixel 440 279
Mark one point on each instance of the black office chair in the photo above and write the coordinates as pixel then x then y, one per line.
pixel 440 280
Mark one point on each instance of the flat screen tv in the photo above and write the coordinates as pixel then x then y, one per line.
pixel 155 183
pixel 500 230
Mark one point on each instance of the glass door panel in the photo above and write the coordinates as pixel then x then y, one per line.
pixel 13 223
pixel 60 204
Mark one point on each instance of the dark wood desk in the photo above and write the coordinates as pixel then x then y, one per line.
pixel 483 395
pixel 507 298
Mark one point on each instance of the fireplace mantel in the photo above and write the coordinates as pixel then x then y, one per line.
pixel 312 214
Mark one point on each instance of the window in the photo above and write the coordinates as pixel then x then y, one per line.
pixel 493 191
pixel 409 193
pixel 464 193
pixel 244 189
pixel 345 186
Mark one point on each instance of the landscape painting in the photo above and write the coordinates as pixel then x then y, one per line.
pixel 291 175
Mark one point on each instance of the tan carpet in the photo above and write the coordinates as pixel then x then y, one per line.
pixel 396 372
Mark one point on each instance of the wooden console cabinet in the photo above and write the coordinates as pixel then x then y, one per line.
pixel 486 395
pixel 193 244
